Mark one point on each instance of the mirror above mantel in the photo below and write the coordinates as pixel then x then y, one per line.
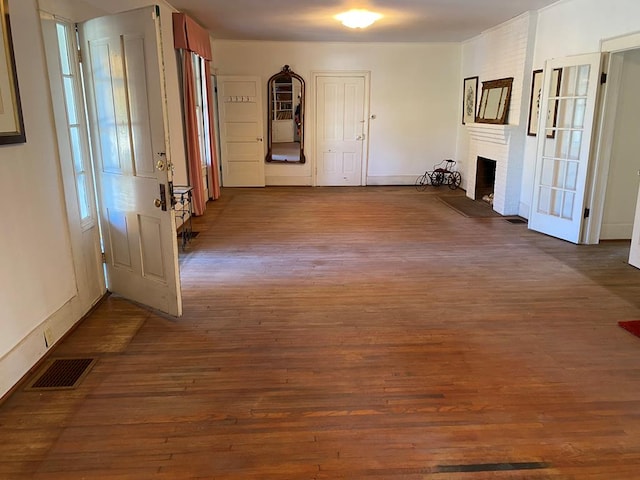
pixel 285 122
pixel 494 101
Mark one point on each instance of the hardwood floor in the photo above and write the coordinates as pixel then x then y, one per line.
pixel 352 333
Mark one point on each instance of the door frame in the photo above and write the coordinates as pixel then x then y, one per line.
pixel 313 123
pixel 604 131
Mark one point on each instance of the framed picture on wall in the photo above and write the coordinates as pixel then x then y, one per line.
pixel 11 122
pixel 536 100
pixel 469 100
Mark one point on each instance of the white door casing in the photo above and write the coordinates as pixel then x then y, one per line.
pixel 564 147
pixel 127 108
pixel 340 130
pixel 241 131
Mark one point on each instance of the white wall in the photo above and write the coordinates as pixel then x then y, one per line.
pixel 36 269
pixel 573 27
pixel 414 96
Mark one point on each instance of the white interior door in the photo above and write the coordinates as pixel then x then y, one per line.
pixel 125 99
pixel 634 252
pixel 241 131
pixel 340 124
pixel 564 143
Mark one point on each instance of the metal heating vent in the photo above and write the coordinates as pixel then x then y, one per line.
pixel 62 374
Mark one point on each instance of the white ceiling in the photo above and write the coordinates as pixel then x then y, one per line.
pixel 312 20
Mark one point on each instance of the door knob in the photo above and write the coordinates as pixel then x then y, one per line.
pixel 157 202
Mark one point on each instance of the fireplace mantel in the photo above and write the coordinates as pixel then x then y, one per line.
pixel 490 133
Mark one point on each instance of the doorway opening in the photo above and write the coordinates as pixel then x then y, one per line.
pixel 622 183
pixel 615 172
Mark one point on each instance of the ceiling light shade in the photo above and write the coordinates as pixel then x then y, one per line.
pixel 358 18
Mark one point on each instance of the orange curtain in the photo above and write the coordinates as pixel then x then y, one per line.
pixel 189 37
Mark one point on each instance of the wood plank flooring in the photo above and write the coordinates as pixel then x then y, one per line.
pixel 352 333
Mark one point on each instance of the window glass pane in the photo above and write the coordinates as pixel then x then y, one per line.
pixel 550 148
pixel 83 196
pixel 572 176
pixel 576 143
pixel 565 113
pixel 563 138
pixel 559 173
pixel 62 46
pixel 578 112
pixel 544 200
pixel 76 149
pixel 547 172
pixel 583 80
pixel 568 82
pixel 70 100
pixel 556 203
pixel 567 208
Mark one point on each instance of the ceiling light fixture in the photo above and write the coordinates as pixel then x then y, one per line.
pixel 358 18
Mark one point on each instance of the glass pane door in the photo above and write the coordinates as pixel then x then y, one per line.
pixel 569 95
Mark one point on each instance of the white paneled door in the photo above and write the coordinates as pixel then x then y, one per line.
pixel 340 130
pixel 122 58
pixel 564 144
pixel 241 135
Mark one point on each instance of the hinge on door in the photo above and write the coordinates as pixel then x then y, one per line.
pixel 103 256
pixel 603 78
pixel 79 56
pixel 586 212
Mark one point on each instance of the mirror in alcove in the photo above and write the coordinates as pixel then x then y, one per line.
pixel 285 124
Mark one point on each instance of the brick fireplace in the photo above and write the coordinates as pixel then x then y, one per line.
pixel 495 143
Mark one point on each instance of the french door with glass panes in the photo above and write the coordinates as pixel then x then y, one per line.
pixel 564 144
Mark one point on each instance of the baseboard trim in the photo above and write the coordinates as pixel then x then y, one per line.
pixel 392 180
pixel 616 231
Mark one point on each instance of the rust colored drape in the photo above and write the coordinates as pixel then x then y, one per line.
pixel 190 38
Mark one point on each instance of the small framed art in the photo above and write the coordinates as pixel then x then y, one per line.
pixel 469 100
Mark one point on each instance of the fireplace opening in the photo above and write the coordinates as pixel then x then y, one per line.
pixel 485 179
